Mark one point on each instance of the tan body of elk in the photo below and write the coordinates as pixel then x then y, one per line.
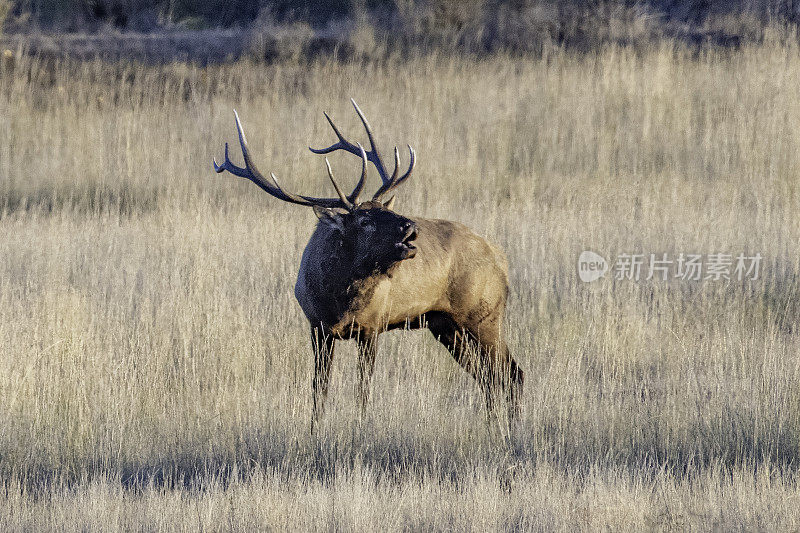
pixel 367 269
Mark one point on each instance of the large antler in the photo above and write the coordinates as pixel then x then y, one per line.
pixel 373 155
pixel 251 173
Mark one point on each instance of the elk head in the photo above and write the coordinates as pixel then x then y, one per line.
pixel 371 238
pixel 370 234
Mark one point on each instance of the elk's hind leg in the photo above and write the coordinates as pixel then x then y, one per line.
pixel 323 343
pixel 500 371
pixel 505 376
pixel 367 349
pixel 484 355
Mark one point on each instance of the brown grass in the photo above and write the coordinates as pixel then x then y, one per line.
pixel 154 366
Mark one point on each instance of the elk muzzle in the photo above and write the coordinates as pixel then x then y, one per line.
pixel 406 245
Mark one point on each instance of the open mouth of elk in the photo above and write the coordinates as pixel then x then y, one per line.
pixel 407 244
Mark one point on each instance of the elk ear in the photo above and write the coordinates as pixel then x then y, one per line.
pixel 330 218
pixel 389 203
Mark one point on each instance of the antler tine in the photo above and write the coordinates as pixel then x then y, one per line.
pixel 342 197
pixel 388 184
pixel 378 162
pixel 396 164
pixel 360 185
pixel 245 148
pixel 412 161
pixel 343 143
pixel 397 181
pixel 226 165
pixel 251 173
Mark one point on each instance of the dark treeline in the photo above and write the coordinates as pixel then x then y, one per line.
pixel 148 14
pixel 455 25
pixel 123 13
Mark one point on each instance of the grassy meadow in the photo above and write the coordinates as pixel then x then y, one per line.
pixel 155 369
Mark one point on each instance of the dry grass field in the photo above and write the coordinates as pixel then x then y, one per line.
pixel 155 369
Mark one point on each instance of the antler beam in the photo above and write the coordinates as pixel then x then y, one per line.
pixel 250 172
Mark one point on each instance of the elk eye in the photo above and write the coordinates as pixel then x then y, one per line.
pixel 365 222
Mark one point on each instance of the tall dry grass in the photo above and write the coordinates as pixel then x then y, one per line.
pixel 155 368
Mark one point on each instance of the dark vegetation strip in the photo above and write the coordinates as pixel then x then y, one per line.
pixel 272 30
pixel 396 460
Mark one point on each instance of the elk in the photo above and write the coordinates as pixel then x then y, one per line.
pixel 367 269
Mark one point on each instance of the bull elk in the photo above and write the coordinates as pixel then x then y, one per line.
pixel 367 269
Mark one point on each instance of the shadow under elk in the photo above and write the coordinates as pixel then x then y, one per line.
pixel 367 269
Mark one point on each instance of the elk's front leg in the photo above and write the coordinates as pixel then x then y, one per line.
pixel 367 349
pixel 323 343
